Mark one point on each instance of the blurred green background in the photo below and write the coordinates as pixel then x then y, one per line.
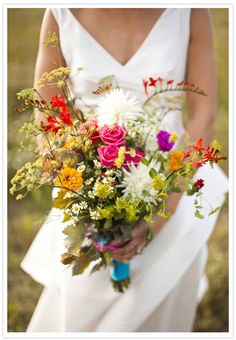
pixel 26 217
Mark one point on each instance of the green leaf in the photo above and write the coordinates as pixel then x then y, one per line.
pixel 59 202
pixel 145 161
pixel 67 258
pixel 66 218
pixel 198 214
pixel 213 211
pixel 152 173
pixel 107 257
pixel 97 266
pixel 83 260
pixel 75 236
pixel 145 193
pixel 105 80
pixel 198 207
pixel 108 224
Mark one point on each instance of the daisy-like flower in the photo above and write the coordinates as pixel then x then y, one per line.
pixel 81 167
pixel 83 205
pixel 88 181
pixel 91 194
pixel 137 179
pixel 94 215
pixel 117 107
pixel 75 208
pixel 97 163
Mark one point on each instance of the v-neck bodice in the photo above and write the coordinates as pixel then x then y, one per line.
pixel 163 53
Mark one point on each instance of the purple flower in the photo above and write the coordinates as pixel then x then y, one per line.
pixel 163 141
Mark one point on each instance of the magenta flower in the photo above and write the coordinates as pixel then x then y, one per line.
pixel 108 154
pixel 163 141
pixel 135 160
pixel 112 135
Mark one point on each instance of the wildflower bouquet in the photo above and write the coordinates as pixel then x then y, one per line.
pixel 111 168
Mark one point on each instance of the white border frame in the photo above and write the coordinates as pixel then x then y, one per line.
pixel 3 169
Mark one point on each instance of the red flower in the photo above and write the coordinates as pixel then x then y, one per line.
pixel 52 125
pixel 145 84
pixel 58 102
pixel 198 184
pixel 186 154
pixel 198 147
pixel 152 82
pixel 160 80
pixel 66 117
pixel 169 82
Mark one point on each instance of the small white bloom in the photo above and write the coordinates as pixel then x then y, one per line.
pixel 75 208
pixel 105 180
pixel 69 194
pixel 109 172
pixel 97 163
pixel 83 205
pixel 94 215
pixel 117 107
pixel 81 167
pixel 91 194
pixel 88 181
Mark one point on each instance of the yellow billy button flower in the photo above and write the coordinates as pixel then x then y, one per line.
pixel 102 190
pixel 70 178
pixel 121 157
pixel 158 182
pixel 175 160
pixel 173 137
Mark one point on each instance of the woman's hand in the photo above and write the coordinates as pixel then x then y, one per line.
pixel 135 246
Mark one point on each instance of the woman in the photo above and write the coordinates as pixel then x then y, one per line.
pixel 132 44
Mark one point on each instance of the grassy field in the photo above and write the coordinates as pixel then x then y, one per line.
pixel 25 218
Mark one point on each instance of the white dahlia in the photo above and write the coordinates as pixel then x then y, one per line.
pixel 137 179
pixel 117 107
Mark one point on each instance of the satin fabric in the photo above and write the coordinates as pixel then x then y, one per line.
pixel 167 280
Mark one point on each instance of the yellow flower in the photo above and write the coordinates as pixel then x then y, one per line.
pixel 175 160
pixel 102 190
pixel 173 137
pixel 158 182
pixel 121 157
pixel 70 178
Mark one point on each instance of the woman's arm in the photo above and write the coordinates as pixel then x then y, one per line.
pixel 201 114
pixel 48 59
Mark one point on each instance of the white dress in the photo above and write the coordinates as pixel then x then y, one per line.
pixel 166 280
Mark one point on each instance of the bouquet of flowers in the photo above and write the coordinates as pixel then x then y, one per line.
pixel 111 167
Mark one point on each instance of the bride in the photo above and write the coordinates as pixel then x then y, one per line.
pixel 132 44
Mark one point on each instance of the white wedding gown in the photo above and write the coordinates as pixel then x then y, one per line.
pixel 167 280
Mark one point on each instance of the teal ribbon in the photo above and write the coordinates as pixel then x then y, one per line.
pixel 120 271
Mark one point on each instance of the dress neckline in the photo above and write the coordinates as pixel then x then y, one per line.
pixel 106 53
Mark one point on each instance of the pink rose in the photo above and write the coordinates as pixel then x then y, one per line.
pixel 108 154
pixel 112 135
pixel 135 160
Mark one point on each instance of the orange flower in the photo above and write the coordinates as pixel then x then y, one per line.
pixel 70 178
pixel 175 160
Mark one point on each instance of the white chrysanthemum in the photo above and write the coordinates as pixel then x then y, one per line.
pixel 117 107
pixel 137 179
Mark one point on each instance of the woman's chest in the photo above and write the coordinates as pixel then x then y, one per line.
pixel 120 32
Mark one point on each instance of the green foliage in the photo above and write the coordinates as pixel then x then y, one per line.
pixel 74 237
